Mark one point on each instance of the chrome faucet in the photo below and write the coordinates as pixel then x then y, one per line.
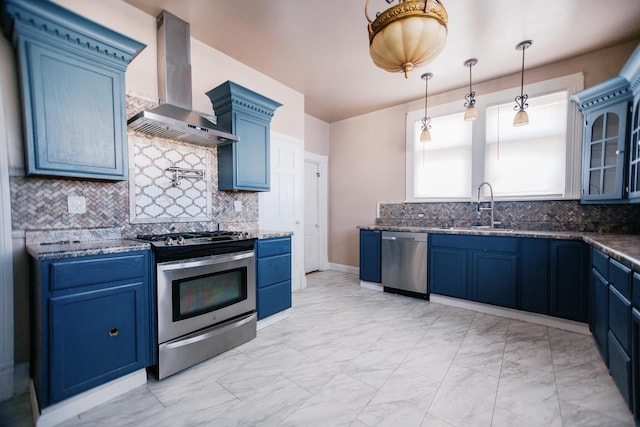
pixel 479 209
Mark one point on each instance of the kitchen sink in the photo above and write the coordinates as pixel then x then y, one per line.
pixel 474 228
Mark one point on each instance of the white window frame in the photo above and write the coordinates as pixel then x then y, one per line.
pixel 571 83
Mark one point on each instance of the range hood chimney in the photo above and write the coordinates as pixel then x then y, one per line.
pixel 174 118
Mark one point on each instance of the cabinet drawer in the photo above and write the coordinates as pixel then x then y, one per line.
pixel 273 299
pixel 95 337
pixel 498 244
pixel 619 317
pixel 273 269
pixel 600 262
pixel 277 246
pixel 620 368
pixel 87 271
pixel 620 278
pixel 635 291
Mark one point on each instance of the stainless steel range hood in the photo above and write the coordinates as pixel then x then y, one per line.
pixel 174 118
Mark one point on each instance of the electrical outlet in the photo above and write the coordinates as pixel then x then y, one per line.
pixel 237 206
pixel 76 204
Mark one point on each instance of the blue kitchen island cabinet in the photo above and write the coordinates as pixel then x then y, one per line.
pixel 370 255
pixel 273 275
pixel 72 82
pixel 243 164
pixel 91 322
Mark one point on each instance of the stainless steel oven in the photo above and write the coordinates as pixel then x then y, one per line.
pixel 206 298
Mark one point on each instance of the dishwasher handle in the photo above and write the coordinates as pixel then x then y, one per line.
pixel 405 236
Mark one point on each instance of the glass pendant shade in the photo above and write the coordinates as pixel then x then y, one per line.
pixel 470 114
pixel 407 34
pixel 425 135
pixel 521 118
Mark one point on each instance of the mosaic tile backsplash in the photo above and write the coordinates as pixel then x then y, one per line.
pixel 559 215
pixel 41 203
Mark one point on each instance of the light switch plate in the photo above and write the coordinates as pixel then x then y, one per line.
pixel 237 205
pixel 76 204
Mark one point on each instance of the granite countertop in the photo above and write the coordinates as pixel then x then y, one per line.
pixel 69 249
pixel 624 248
pixel 48 245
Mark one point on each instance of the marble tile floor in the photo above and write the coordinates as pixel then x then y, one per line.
pixel 350 356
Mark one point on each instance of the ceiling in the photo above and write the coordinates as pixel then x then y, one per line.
pixel 320 48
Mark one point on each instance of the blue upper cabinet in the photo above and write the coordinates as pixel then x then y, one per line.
pixel 72 75
pixel 610 151
pixel 243 165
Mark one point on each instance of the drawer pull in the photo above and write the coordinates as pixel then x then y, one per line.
pixel 113 332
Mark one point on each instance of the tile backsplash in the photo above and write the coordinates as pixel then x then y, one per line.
pixel 41 203
pixel 557 215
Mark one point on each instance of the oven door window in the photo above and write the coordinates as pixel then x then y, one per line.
pixel 193 296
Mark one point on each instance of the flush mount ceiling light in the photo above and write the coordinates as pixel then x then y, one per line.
pixel 407 34
pixel 425 135
pixel 522 118
pixel 470 113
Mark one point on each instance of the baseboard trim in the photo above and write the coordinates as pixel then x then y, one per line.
pixel 539 319
pixel 371 285
pixel 343 268
pixel 69 408
pixel 275 318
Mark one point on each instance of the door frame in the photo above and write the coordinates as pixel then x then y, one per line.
pixel 6 265
pixel 323 206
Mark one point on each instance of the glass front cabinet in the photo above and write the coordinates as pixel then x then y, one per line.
pixel 610 137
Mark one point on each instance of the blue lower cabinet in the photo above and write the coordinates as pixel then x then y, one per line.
pixel 568 293
pixel 96 337
pixel 370 250
pixel 273 275
pixel 599 322
pixel 535 282
pixel 494 278
pixel 448 271
pixel 91 322
pixel 635 358
pixel 620 368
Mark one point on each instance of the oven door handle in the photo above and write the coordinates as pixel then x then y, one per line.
pixel 215 330
pixel 209 260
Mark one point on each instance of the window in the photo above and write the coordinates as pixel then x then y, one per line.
pixel 537 161
pixel 443 165
pixel 528 160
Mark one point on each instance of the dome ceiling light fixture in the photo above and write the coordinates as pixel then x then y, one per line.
pixel 407 34
pixel 522 118
pixel 471 113
pixel 425 135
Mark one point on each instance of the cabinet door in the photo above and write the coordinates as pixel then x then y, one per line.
pixel 96 337
pixel 370 255
pixel 534 262
pixel 635 361
pixel 620 318
pixel 600 313
pixel 494 278
pixel 74 115
pixel 603 156
pixel 448 271
pixel 634 152
pixel 620 368
pixel 568 291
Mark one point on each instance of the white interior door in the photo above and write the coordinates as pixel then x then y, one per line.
pixel 311 225
pixel 281 209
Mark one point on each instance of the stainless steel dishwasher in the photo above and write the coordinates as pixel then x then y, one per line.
pixel 404 263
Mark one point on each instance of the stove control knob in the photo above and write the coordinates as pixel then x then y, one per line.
pixel 168 241
pixel 180 240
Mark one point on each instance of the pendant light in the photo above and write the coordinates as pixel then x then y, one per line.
pixel 425 136
pixel 470 113
pixel 522 118
pixel 407 34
